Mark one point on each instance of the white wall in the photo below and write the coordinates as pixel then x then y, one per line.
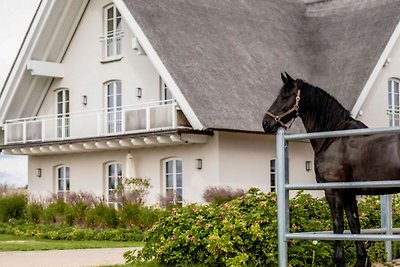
pixel 85 73
pixel 375 106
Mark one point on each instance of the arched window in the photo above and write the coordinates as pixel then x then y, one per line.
pixel 393 102
pixel 63 180
pixel 62 106
pixel 113 33
pixel 173 180
pixel 113 101
pixel 113 182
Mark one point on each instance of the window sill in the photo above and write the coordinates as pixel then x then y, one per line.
pixel 111 59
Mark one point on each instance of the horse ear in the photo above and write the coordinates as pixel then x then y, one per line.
pixel 284 79
pixel 290 79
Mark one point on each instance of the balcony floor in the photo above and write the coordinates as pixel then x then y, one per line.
pixel 126 141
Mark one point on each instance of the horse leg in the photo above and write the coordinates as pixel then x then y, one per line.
pixel 335 201
pixel 350 207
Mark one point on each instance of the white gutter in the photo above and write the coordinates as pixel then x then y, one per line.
pixel 160 67
pixel 374 75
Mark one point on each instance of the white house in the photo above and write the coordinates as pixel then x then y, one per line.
pixel 179 88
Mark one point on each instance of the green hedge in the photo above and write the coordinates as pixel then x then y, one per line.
pixel 62 232
pixel 243 232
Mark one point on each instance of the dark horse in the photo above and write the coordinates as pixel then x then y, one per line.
pixel 341 159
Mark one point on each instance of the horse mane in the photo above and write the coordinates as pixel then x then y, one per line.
pixel 321 109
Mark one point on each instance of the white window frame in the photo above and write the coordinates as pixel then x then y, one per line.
pixel 63 175
pixel 63 123
pixel 110 188
pixel 114 121
pixel 393 102
pixel 175 188
pixel 112 38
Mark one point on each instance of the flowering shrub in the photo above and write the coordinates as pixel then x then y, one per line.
pixel 243 232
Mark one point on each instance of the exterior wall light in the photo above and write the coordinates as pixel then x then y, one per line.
pixel 308 165
pixel 139 92
pixel 84 100
pixel 38 172
pixel 199 164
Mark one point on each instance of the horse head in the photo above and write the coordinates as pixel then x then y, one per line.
pixel 285 107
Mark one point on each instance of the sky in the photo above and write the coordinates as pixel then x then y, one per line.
pixel 16 16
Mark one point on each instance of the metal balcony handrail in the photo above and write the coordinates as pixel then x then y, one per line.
pixel 83 113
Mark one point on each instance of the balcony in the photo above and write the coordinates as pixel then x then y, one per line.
pixel 141 118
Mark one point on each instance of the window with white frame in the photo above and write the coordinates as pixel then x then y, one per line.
pixel 114 106
pixel 63 181
pixel 272 174
pixel 393 102
pixel 172 176
pixel 113 182
pixel 166 95
pixel 113 33
pixel 62 105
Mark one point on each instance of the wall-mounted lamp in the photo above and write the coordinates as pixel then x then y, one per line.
pixel 38 172
pixel 199 164
pixel 139 92
pixel 84 100
pixel 308 165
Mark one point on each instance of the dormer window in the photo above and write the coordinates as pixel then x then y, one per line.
pixel 113 33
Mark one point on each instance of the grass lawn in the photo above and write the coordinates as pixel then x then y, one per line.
pixel 15 243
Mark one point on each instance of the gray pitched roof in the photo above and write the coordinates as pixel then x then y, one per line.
pixel 226 56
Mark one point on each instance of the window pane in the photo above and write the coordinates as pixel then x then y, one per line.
pixel 118 86
pixel 272 165
pixel 169 166
pixel 110 13
pixel 179 195
pixel 111 183
pixel 60 172
pixel 178 166
pixel 118 24
pixel 60 108
pixel 119 169
pixel 60 185
pixel 67 172
pixel 67 107
pixel 119 101
pixel 396 87
pixel 111 170
pixel 169 180
pixel 67 184
pixel 118 14
pixel 179 180
pixel 59 96
pixel 272 179
pixel 66 95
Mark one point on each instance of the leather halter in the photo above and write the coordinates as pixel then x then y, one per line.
pixel 295 107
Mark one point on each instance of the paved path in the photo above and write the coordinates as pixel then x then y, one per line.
pixel 63 258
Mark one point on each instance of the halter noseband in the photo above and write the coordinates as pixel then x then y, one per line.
pixel 295 107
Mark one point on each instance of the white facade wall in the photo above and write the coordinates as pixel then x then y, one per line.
pixel 86 73
pixel 229 159
pixel 374 109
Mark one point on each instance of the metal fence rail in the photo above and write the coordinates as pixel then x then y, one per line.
pixel 283 188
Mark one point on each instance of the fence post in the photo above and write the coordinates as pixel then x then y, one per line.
pixel 283 198
pixel 386 223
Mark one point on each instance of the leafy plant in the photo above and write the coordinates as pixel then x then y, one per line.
pixel 243 232
pixel 12 207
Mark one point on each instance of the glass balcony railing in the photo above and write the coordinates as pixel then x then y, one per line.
pixel 146 117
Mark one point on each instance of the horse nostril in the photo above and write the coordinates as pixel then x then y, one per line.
pixel 265 124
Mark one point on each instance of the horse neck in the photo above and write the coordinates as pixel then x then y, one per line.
pixel 320 112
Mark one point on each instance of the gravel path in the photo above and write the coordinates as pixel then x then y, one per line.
pixel 64 258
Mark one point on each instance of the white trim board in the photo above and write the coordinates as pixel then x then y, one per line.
pixel 160 67
pixel 375 73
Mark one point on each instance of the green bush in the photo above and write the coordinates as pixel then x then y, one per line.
pixel 243 232
pixel 12 207
pixel 139 216
pixel 62 232
pixel 102 216
pixel 59 212
pixel 34 212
